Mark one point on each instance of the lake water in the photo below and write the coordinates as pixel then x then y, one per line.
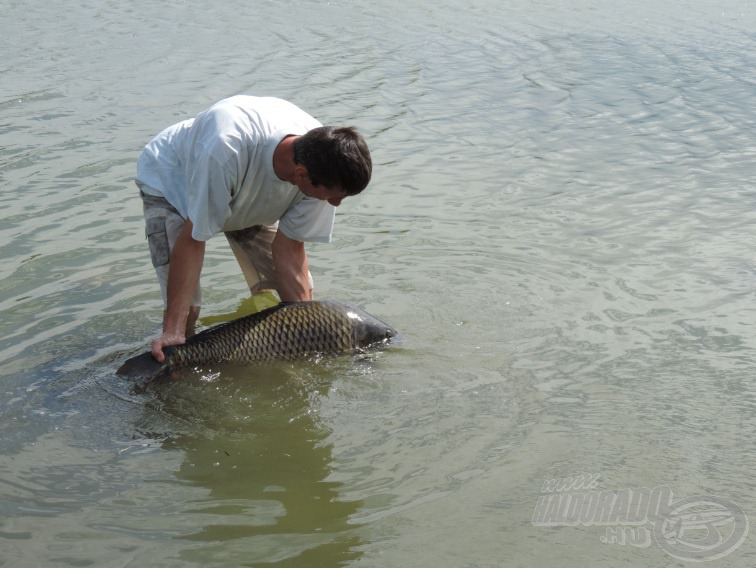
pixel 560 224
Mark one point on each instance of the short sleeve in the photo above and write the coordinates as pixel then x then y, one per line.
pixel 211 173
pixel 309 220
pixel 208 196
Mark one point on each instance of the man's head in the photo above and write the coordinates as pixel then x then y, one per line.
pixel 335 157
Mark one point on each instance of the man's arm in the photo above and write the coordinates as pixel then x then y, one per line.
pixel 290 261
pixel 183 276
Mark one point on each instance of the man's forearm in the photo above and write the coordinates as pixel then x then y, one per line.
pixel 290 260
pixel 183 276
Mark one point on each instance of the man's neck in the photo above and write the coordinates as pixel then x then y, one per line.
pixel 283 159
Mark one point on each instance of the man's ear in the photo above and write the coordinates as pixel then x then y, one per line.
pixel 301 174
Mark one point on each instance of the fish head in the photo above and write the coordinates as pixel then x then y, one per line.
pixel 369 330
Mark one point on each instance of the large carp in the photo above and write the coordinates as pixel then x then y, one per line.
pixel 290 330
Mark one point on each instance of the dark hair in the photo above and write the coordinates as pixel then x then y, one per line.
pixel 335 157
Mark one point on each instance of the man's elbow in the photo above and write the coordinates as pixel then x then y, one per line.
pixel 286 245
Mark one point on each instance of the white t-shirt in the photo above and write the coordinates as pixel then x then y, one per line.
pixel 217 170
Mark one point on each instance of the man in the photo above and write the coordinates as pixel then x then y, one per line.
pixel 258 169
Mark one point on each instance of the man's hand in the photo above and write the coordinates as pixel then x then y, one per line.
pixel 164 341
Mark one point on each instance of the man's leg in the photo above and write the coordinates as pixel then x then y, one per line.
pixel 253 250
pixel 163 225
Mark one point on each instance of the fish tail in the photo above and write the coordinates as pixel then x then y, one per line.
pixel 143 367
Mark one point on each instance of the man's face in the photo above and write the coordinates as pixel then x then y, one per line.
pixel 334 195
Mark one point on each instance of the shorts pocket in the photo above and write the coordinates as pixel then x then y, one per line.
pixel 158 240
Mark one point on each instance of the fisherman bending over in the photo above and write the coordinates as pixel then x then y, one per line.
pixel 258 169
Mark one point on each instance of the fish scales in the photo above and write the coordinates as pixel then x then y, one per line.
pixel 285 334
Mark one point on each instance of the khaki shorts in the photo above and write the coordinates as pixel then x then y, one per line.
pixel 252 247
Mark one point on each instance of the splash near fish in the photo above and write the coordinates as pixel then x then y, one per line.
pixel 290 330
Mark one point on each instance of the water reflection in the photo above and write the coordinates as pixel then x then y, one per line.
pixel 261 453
